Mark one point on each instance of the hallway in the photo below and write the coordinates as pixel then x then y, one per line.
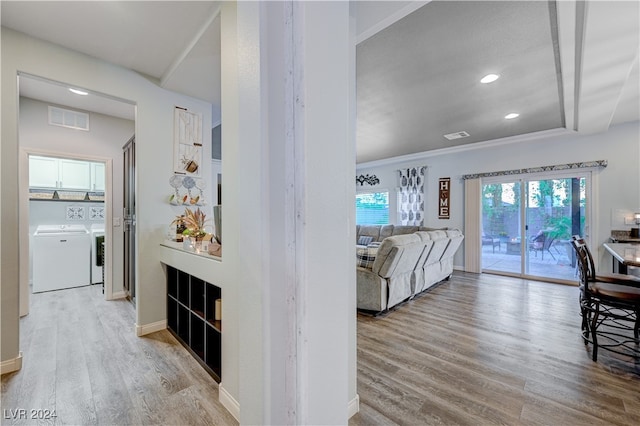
pixel 82 359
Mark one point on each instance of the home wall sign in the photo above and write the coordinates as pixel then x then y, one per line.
pixel 444 196
pixel 187 142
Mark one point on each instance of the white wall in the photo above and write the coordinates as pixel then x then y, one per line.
pixel 105 139
pixel 154 137
pixel 618 185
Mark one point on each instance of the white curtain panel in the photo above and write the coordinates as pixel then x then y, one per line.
pixel 472 219
pixel 411 196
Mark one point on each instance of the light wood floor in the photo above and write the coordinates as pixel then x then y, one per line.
pixel 485 349
pixel 82 359
pixel 477 350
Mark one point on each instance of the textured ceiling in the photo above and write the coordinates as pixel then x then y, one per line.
pixel 419 78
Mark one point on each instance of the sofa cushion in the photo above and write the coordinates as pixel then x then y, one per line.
pixel 391 256
pixel 455 237
pixel 453 233
pixel 405 229
pixel 370 231
pixel 426 228
pixel 440 243
pixel 386 231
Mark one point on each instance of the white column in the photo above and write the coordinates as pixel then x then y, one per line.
pixel 293 177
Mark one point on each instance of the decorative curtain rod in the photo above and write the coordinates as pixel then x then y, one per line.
pixel 557 167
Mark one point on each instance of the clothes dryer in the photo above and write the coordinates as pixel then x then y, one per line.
pixel 97 260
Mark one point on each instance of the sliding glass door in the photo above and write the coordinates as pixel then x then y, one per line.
pixel 501 226
pixel 527 224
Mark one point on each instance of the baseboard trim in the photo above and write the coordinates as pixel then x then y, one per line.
pixel 228 402
pixel 11 365
pixel 354 406
pixel 233 407
pixel 142 330
pixel 118 295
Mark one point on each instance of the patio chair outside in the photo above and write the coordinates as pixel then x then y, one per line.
pixel 542 242
pixel 488 240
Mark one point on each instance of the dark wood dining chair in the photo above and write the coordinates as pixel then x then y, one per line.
pixel 609 305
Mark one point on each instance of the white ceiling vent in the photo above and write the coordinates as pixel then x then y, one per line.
pixel 457 135
pixel 67 118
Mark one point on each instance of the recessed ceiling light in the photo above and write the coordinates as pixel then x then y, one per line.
pixel 489 78
pixel 511 115
pixel 78 92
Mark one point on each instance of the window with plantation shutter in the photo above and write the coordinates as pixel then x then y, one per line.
pixel 372 208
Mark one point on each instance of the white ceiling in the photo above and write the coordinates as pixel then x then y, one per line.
pixel 562 64
pixel 58 93
pixel 175 43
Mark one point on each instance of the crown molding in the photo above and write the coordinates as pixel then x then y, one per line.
pixel 390 20
pixel 545 134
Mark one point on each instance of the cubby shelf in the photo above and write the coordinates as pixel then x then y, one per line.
pixel 191 317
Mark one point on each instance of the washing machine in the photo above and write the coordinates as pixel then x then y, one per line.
pixel 61 257
pixel 97 260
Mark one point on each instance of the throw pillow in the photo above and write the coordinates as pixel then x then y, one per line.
pixel 364 240
pixel 366 256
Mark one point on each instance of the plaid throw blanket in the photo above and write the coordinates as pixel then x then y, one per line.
pixel 365 256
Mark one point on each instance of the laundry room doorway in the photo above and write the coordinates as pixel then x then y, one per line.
pixel 70 188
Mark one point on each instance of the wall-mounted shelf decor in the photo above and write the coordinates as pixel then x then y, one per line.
pixel 188 197
pixel 187 155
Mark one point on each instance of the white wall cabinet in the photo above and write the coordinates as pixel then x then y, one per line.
pixel 62 173
pixel 75 174
pixel 43 172
pixel 97 177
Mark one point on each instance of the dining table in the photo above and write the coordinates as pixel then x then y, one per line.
pixel 624 255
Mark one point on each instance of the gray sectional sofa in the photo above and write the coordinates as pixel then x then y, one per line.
pixel 408 260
